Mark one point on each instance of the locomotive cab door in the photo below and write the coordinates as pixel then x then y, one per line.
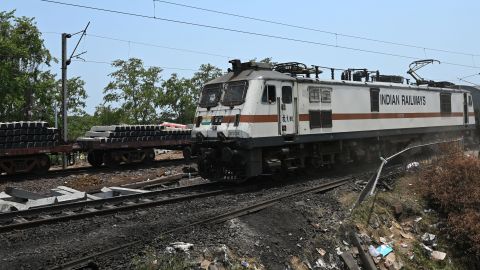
pixel 287 115
pixel 282 95
pixel 465 109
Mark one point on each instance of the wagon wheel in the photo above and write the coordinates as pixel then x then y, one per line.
pixel 95 158
pixel 43 165
pixel 9 167
pixel 149 156
pixel 111 160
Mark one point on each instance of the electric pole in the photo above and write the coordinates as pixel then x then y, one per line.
pixel 65 62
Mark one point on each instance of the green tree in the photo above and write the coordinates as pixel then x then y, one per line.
pixel 180 95
pixel 22 53
pixel 106 115
pixel 77 96
pixel 178 102
pixel 52 97
pixel 267 60
pixel 135 88
pixel 27 91
pixel 79 124
pixel 205 73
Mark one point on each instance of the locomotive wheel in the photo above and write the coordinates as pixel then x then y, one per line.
pixel 95 158
pixel 43 165
pixel 111 160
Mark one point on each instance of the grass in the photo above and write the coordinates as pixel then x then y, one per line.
pixel 151 260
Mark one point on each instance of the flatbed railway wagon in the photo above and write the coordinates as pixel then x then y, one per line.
pixel 259 119
pixel 114 145
pixel 27 147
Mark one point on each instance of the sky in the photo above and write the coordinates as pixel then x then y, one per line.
pixel 180 48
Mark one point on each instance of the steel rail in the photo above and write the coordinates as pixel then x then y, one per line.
pixel 82 262
pixel 264 204
pixel 77 210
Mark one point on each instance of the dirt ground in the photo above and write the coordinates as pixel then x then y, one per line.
pixel 288 234
pixel 86 180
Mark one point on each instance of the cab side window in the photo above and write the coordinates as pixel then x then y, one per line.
pixel 287 94
pixel 374 100
pixel 314 94
pixel 445 103
pixel 269 94
pixel 326 95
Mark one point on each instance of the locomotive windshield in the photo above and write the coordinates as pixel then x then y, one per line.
pixel 235 93
pixel 211 94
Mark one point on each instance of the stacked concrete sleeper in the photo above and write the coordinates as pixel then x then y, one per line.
pixel 31 134
pixel 133 133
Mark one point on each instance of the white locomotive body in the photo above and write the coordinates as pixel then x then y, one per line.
pixel 256 120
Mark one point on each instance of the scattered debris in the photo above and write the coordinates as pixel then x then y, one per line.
pixel 428 238
pixel 354 251
pixel 23 194
pixel 14 199
pixel 8 206
pixel 373 251
pixel 127 191
pixel 438 255
pixel 407 235
pixel 41 202
pixel 182 246
pixel 384 250
pixel 320 263
pixel 321 251
pixel 205 264
pixel 383 240
pixel 391 262
pixel 428 249
pixel 397 209
pixel 413 166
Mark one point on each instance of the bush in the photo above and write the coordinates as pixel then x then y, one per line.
pixel 453 183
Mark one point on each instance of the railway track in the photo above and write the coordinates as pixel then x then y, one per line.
pixel 87 262
pixel 79 210
pixel 89 169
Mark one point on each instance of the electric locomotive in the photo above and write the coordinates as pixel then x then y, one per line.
pixel 263 119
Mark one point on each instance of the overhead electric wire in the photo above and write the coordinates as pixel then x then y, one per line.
pixel 149 45
pixel 160 46
pixel 460 79
pixel 316 29
pixel 109 63
pixel 248 32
